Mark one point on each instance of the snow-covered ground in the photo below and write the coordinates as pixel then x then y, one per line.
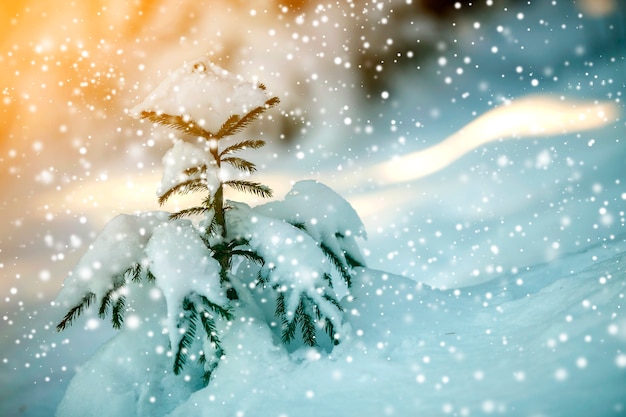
pixel 524 240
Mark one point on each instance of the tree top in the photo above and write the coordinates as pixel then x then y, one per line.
pixel 205 93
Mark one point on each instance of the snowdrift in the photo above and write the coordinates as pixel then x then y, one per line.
pixel 547 341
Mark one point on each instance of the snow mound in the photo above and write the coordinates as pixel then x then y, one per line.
pixel 323 213
pixel 131 374
pixel 544 347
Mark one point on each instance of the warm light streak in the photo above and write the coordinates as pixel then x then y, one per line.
pixel 527 117
pixel 96 200
pixel 531 116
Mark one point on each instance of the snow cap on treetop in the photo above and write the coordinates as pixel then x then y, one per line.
pixel 203 92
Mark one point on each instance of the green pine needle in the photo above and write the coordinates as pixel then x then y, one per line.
pixel 134 272
pixel 208 323
pixel 192 211
pixel 186 187
pixel 105 304
pixel 340 265
pixel 118 312
pixel 150 276
pixel 228 126
pixel 352 262
pixel 250 187
pixel 249 255
pixel 289 330
pixel 280 304
pixel 210 230
pixel 209 328
pixel 204 309
pixel 240 164
pixel 288 326
pixel 179 123
pixel 307 324
pixel 299 225
pixel 76 311
pixel 333 301
pixel 324 321
pixel 208 305
pixel 107 299
pixel 252 144
pixel 329 328
pixel 212 365
pixel 187 322
pixel 231 127
pixel 262 277
pixel 328 279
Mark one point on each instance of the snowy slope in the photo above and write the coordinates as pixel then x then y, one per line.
pixel 552 346
pixel 548 341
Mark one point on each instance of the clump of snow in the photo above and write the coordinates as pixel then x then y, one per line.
pixel 182 265
pixel 203 92
pixel 181 157
pixel 482 350
pixel 326 216
pixel 292 255
pixel 120 245
pixel 131 374
pixel 322 210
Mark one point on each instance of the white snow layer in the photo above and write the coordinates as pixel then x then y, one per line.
pixel 203 92
pixel 172 250
pixel 324 213
pixel 178 159
pixel 546 342
pixel 182 265
pixel 120 245
pixel 138 373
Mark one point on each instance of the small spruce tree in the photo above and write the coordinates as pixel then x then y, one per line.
pixel 299 249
